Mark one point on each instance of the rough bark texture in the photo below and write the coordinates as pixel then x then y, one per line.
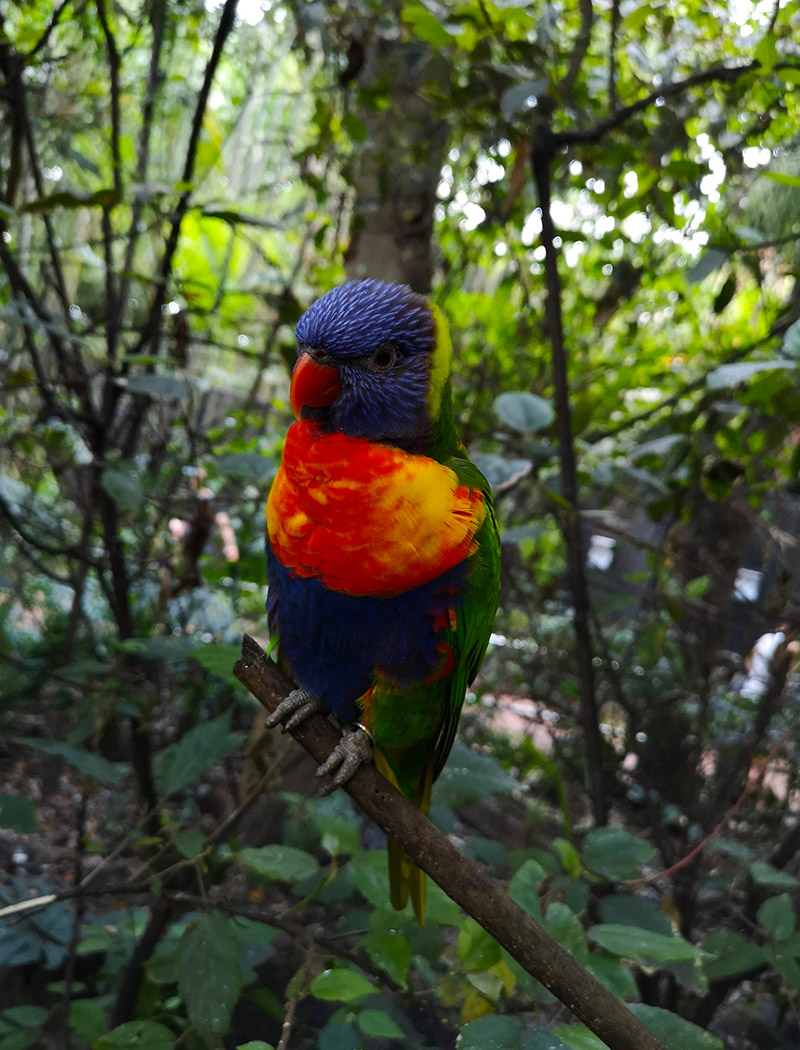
pixel 462 879
pixel 396 169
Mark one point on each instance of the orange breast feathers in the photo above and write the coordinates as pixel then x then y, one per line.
pixel 367 519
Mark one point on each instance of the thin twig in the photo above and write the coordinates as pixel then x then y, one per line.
pixel 613 98
pixel 582 42
pixel 541 159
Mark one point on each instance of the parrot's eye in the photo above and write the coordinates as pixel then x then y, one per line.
pixel 384 357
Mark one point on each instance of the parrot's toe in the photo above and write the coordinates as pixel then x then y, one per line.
pixel 294 709
pixel 352 751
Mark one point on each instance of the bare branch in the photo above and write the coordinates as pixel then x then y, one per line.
pixel 613 99
pixel 462 879
pixel 541 159
pixel 582 42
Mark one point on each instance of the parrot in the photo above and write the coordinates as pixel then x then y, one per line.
pixel 383 552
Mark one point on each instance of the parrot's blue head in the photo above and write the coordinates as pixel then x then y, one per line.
pixel 373 362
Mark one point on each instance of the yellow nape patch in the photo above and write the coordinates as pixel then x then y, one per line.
pixel 441 361
pixel 368 519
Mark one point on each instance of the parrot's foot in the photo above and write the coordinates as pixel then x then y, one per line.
pixel 352 751
pixel 294 709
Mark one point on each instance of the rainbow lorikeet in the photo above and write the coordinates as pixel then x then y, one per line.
pixel 383 554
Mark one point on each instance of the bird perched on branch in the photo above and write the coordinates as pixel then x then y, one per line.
pixel 383 555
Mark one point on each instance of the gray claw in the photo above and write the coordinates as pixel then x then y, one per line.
pixel 294 709
pixel 352 751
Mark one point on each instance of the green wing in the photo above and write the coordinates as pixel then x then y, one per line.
pixel 473 620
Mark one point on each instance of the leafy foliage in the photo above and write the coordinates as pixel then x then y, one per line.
pixel 176 184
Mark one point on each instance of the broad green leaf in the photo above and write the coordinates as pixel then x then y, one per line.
pixel 219 659
pixel 65 199
pixel 337 1036
pixel 25 1016
pixel 210 974
pixel 492 1033
pixel 341 986
pixel 499 469
pixel 542 1039
pixel 255 1044
pixel 122 484
pixel 764 874
pixel 477 949
pixel 615 853
pixel 791 340
pixel 524 411
pixel 524 887
pixel 627 910
pixel 578 1037
pixel 709 261
pixel 783 179
pixel 564 926
pixel 514 99
pixel 190 843
pixel 729 954
pixel 612 973
pixel 87 762
pixel 633 942
pixel 137 1035
pixel 777 915
pixel 424 25
pixel 246 466
pixel 280 863
pixel 199 749
pixel 674 1031
pixel 88 1018
pixel 469 776
pixel 741 371
pixel 17 813
pixel 167 388
pixel 379 1025
pixel 392 952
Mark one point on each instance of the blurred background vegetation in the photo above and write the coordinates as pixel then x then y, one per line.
pixel 178 181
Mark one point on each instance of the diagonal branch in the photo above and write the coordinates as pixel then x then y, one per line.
pixel 462 879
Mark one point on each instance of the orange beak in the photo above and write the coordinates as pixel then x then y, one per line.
pixel 313 385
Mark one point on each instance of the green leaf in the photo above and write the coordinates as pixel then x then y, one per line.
pixel 423 24
pixel 122 484
pixel 379 1025
pixel 337 1036
pixel 280 863
pixel 524 887
pixel 87 762
pixel 210 974
pixel 709 261
pixel 634 942
pixel 470 775
pixel 777 915
pixel 791 340
pixel 492 1033
pixel 341 986
pixel 166 388
pixel 613 974
pixel 392 952
pixel 523 411
pixel 255 1044
pixel 515 98
pixel 219 659
pixel 564 926
pixel 477 949
pixel 87 1017
pixel 783 179
pixel 17 813
pixel 246 466
pixel 190 843
pixel 615 853
pixel 731 375
pixel 64 199
pixel 730 954
pixel 623 909
pixel 199 749
pixel 674 1031
pixel 25 1016
pixel 763 874
pixel 137 1035
pixel 578 1037
pixel 542 1039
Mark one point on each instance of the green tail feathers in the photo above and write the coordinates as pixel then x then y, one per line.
pixel 405 878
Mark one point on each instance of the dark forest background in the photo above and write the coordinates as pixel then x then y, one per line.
pixel 178 182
